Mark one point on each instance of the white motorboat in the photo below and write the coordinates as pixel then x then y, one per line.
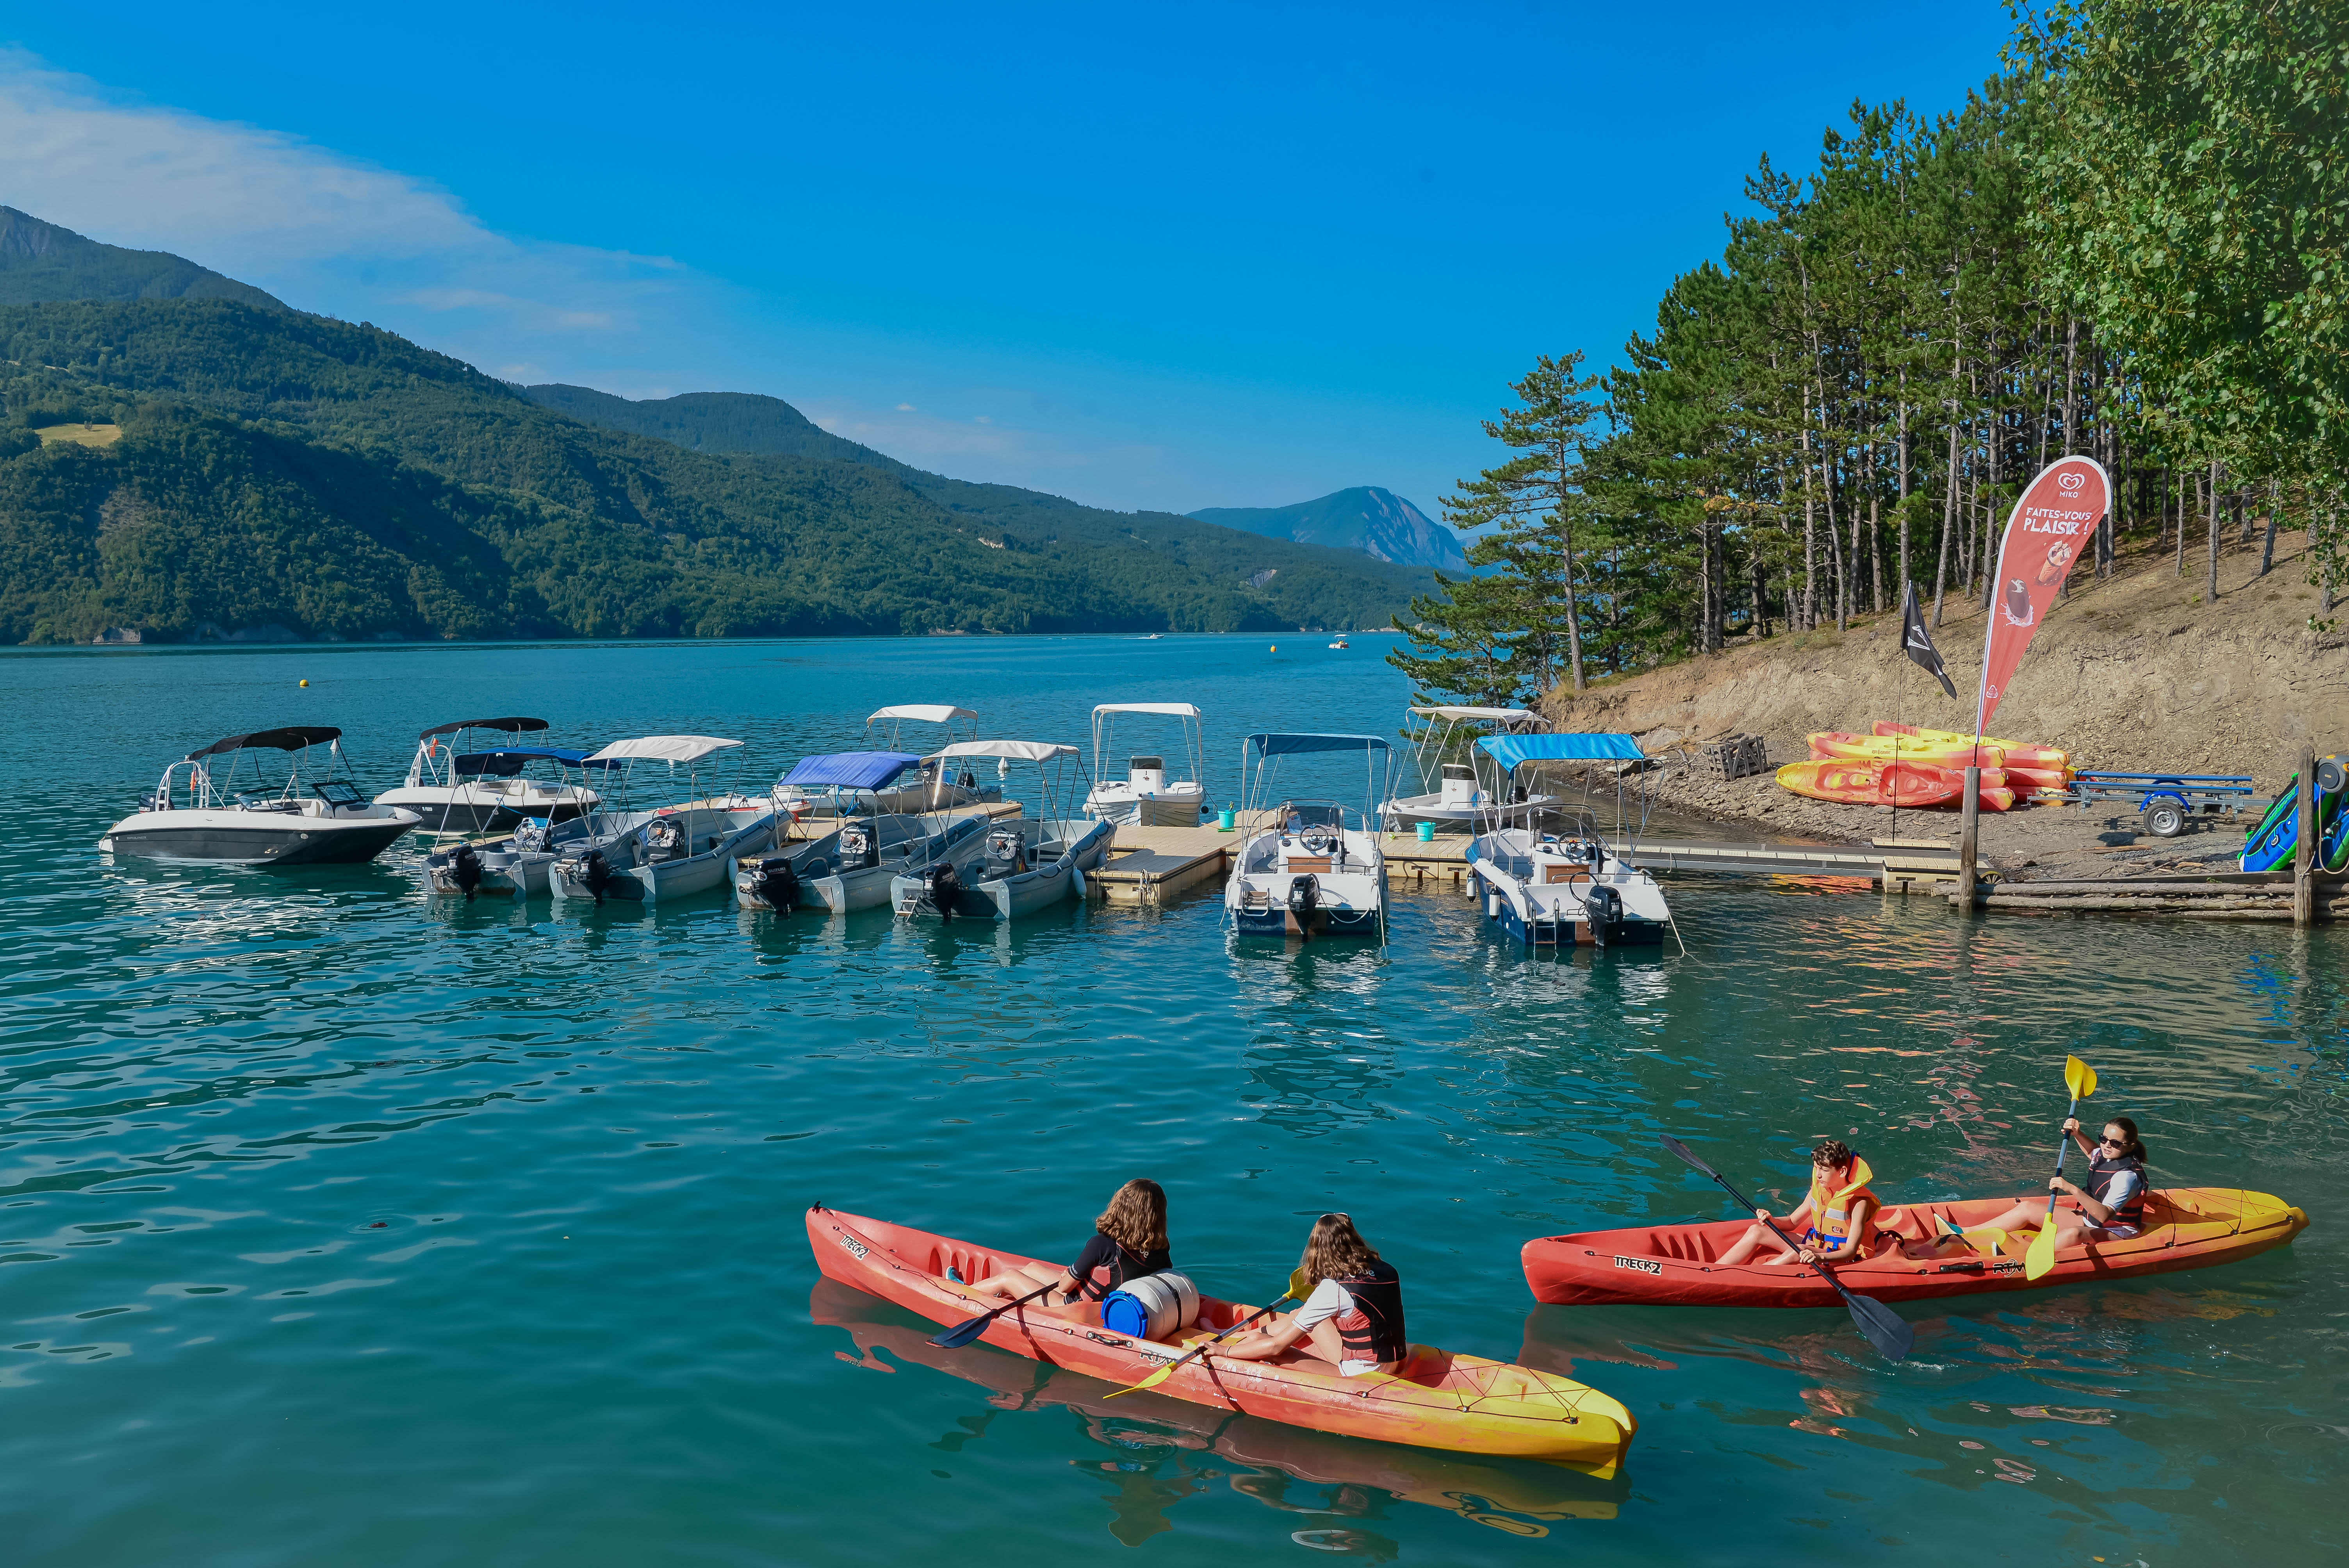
pixel 454 791
pixel 850 866
pixel 1568 889
pixel 1302 870
pixel 197 812
pixel 667 853
pixel 1019 864
pixel 1454 794
pixel 1146 796
pixel 1342 645
pixel 931 787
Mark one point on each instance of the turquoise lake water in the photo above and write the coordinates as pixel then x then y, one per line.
pixel 343 1225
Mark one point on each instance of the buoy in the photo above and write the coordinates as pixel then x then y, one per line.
pixel 1275 648
pixel 305 683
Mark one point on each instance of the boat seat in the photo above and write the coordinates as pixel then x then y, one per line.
pixel 1306 864
pixel 1565 874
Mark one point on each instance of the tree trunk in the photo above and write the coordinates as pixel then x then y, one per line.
pixel 1949 520
pixel 2185 484
pixel 1903 594
pixel 2213 597
pixel 2071 382
pixel 2275 504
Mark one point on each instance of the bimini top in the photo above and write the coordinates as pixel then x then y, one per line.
pixel 1027 750
pixel 1481 714
pixel 663 748
pixel 511 726
pixel 850 770
pixel 1291 745
pixel 507 761
pixel 1512 751
pixel 1171 709
pixel 928 713
pixel 292 739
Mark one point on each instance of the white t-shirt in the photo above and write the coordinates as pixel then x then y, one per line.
pixel 1328 1299
pixel 2118 1190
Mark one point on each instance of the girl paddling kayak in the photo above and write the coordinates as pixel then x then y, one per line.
pixel 1129 1241
pixel 2109 1208
pixel 1353 1318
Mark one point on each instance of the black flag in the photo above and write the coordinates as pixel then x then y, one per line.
pixel 1918 643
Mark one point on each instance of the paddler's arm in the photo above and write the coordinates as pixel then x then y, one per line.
pixel 1862 1213
pixel 2072 1126
pixel 2098 1214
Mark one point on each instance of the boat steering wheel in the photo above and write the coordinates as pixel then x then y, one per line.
pixel 1316 839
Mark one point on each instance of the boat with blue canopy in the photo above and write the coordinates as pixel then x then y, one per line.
pixel 1566 889
pixel 1304 870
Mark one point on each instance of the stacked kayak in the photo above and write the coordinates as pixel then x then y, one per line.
pixel 2275 844
pixel 2027 767
pixel 1868 782
pixel 1468 1404
pixel 2185 1228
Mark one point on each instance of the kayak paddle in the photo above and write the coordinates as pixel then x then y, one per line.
pixel 963 1333
pixel 1892 1338
pixel 2081 1080
pixel 1298 1290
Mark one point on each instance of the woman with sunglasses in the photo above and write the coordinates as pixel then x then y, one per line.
pixel 2111 1205
pixel 1353 1317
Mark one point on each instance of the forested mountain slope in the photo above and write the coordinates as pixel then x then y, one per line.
pixel 284 470
pixel 40 261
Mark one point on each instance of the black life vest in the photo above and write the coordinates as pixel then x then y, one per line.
pixel 2101 1172
pixel 1373 1328
pixel 1123 1264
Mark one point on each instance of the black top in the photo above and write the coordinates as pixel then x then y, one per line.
pixel 1104 1265
pixel 511 726
pixel 292 739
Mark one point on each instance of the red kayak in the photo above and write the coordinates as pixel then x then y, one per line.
pixel 2186 1228
pixel 1437 1400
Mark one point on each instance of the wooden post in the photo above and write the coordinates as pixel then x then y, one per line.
pixel 2306 858
pixel 1968 834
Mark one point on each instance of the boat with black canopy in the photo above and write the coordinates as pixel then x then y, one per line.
pixel 1566 889
pixel 1303 871
pixel 457 791
pixel 201 811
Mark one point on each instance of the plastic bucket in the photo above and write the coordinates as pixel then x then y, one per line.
pixel 1427 832
pixel 1224 822
pixel 1152 1307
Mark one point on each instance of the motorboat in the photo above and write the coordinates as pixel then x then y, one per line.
pixel 457 791
pixel 1454 794
pixel 935 786
pixel 198 811
pixel 667 851
pixel 1567 888
pixel 850 866
pixel 1303 871
pixel 1342 645
pixel 1146 796
pixel 1017 865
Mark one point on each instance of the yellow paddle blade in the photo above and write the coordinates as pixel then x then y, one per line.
pixel 1152 1381
pixel 2042 1255
pixel 1299 1287
pixel 2080 1078
pixel 1988 1243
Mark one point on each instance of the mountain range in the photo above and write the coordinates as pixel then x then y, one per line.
pixel 258 471
pixel 1377 523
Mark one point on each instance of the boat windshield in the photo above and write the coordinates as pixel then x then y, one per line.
pixel 1313 814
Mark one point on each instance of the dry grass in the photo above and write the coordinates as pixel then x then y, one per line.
pixel 80 435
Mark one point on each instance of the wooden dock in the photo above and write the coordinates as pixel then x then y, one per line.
pixel 2221 895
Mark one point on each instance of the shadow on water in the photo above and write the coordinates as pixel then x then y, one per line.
pixel 1155 1451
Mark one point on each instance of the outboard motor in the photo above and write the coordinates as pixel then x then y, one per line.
pixel 1605 907
pixel 1007 852
pixel 1304 898
pixel 597 872
pixel 779 884
pixel 945 889
pixel 856 852
pixel 664 840
pixel 465 868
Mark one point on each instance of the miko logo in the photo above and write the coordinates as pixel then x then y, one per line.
pixel 2069 481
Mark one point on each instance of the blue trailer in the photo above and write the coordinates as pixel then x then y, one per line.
pixel 2166 803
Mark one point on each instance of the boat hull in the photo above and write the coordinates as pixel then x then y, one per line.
pixel 2187 1228
pixel 257 838
pixel 1013 897
pixel 1349 889
pixel 1438 1400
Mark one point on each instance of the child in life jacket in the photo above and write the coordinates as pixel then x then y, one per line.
pixel 1129 1241
pixel 1353 1317
pixel 2110 1207
pixel 1831 1224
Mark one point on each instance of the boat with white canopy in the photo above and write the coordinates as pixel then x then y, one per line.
pixel 515 866
pixel 1146 796
pixel 850 867
pixel 1019 864
pixel 201 811
pixel 1567 888
pixel 458 791
pixel 646 855
pixel 1444 754
pixel 1303 871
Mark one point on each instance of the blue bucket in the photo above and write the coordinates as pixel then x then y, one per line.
pixel 1427 832
pixel 1223 821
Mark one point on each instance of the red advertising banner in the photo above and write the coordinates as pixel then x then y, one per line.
pixel 2052 526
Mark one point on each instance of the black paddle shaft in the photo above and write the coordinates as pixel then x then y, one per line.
pixel 1885 1328
pixel 963 1333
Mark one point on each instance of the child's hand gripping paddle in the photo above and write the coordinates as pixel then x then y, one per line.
pixel 1299 1289
pixel 1882 1325
pixel 970 1328
pixel 2081 1080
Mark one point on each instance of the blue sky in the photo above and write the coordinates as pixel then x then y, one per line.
pixel 1172 258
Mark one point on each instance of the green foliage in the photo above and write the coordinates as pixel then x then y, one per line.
pixel 40 261
pixel 339 481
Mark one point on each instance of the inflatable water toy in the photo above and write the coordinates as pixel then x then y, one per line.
pixel 2275 844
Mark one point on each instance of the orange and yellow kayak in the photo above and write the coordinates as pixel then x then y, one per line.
pixel 2018 753
pixel 1908 785
pixel 1835 743
pixel 1468 1404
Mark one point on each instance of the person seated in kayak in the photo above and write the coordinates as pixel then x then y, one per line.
pixel 1352 1318
pixel 1835 1217
pixel 1129 1241
pixel 2109 1208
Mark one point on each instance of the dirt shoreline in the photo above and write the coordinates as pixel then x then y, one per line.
pixel 2133 673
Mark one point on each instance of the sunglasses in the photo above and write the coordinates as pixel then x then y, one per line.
pixel 2114 1142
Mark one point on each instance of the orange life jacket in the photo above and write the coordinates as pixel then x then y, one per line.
pixel 1831 1211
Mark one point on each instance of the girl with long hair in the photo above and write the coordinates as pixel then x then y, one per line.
pixel 1352 1316
pixel 1129 1241
pixel 2110 1207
